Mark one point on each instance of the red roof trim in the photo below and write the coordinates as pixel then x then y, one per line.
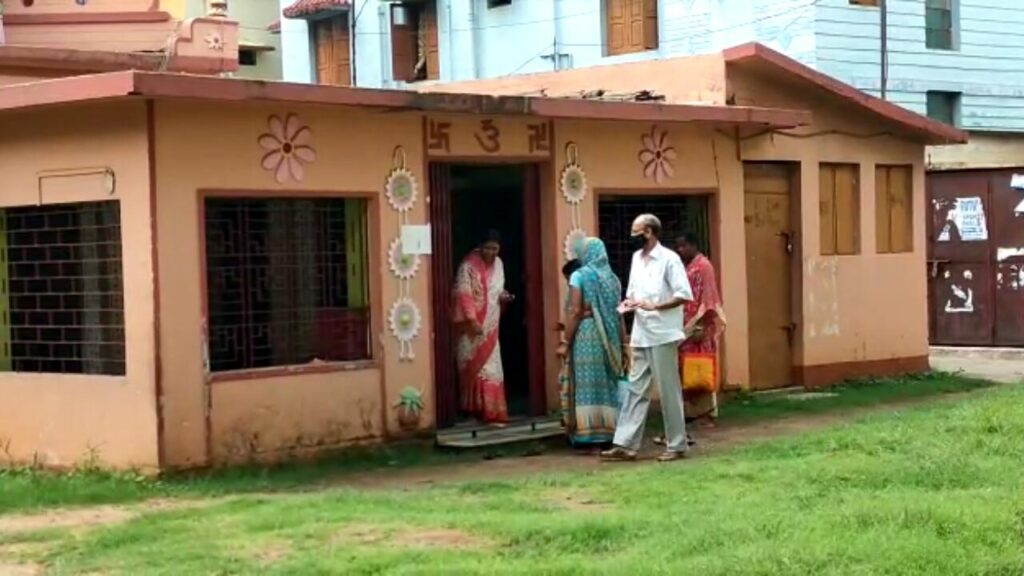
pixel 155 85
pixel 932 131
pixel 304 8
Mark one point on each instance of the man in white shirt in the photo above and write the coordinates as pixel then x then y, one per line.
pixel 657 289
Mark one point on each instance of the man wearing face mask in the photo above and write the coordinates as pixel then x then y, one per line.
pixel 657 289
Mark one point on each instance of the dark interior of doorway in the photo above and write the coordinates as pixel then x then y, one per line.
pixel 485 198
pixel 678 214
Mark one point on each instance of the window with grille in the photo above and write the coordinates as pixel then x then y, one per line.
pixel 839 203
pixel 61 295
pixel 939 24
pixel 678 214
pixel 286 281
pixel 894 215
pixel 630 26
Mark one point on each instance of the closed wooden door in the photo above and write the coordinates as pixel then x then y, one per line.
pixel 767 218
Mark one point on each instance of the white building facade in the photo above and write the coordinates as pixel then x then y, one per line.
pixel 961 61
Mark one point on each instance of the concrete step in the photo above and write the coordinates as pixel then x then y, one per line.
pixel 977 353
pixel 477 436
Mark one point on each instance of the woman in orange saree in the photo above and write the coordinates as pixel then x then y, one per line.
pixel 479 296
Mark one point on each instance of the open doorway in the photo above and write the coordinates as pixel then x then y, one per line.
pixel 466 202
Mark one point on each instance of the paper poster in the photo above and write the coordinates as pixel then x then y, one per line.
pixel 1017 181
pixel 968 218
pixel 416 239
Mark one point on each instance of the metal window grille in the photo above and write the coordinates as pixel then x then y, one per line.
pixel 281 282
pixel 678 214
pixel 61 297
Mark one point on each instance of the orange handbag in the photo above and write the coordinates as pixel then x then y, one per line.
pixel 699 371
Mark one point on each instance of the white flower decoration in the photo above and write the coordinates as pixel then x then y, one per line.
pixel 404 320
pixel 401 189
pixel 657 155
pixel 570 242
pixel 214 42
pixel 574 183
pixel 403 266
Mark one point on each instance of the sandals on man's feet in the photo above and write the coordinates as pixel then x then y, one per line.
pixel 618 454
pixel 671 456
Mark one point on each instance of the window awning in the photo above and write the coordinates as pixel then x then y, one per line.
pixel 308 8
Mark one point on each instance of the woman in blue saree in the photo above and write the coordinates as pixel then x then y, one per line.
pixel 593 347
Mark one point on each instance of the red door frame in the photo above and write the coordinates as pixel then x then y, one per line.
pixel 443 271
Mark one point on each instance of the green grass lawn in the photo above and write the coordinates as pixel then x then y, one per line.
pixel 27 489
pixel 932 489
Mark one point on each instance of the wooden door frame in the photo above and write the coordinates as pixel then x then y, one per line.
pixel 442 271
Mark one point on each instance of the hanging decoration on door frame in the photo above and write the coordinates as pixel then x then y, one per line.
pixel 573 184
pixel 404 317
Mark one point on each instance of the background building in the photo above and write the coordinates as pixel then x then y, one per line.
pixel 959 62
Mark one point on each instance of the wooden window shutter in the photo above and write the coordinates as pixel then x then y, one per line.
pixel 615 13
pixel 403 44
pixel 883 232
pixel 429 13
pixel 322 38
pixel 894 209
pixel 847 209
pixel 650 9
pixel 827 210
pixel 342 51
pixel 901 202
pixel 635 15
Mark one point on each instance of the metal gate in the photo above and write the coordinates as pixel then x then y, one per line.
pixel 976 258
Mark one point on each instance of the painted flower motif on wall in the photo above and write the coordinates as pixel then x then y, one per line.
pixel 657 155
pixel 571 239
pixel 402 265
pixel 288 148
pixel 401 189
pixel 404 319
pixel 574 184
pixel 214 42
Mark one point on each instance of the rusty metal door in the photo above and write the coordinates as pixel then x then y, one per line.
pixel 1008 259
pixel 975 259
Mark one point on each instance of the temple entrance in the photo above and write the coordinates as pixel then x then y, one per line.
pixel 466 201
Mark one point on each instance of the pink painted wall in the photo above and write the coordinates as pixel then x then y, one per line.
pixel 214 147
pixel 64 419
pixel 856 308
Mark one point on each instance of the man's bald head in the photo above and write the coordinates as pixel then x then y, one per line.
pixel 646 223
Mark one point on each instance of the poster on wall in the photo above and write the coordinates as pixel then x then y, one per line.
pixel 966 219
pixel 416 239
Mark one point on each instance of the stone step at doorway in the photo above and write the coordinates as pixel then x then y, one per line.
pixel 475 435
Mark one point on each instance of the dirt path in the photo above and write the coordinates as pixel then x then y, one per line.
pixel 709 440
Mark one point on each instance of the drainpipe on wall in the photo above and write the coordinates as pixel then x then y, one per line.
pixel 385 44
pixel 451 41
pixel 473 38
pixel 883 16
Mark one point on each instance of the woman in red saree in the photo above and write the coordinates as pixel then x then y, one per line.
pixel 704 318
pixel 479 297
